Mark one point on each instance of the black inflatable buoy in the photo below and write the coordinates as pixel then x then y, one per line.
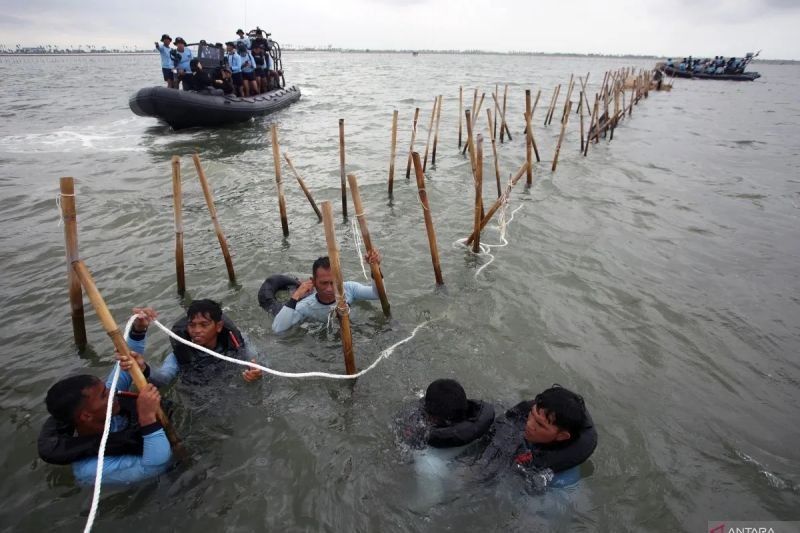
pixel 270 287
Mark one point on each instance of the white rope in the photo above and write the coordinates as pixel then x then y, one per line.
pixel 358 242
pixel 101 453
pixel 502 226
pixel 384 354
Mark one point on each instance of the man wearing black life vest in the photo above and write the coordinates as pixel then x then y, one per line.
pixel 204 325
pixel 544 439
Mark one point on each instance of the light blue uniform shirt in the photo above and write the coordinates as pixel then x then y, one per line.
pixel 166 61
pixel 234 61
pixel 311 308
pixel 186 57
pixel 248 58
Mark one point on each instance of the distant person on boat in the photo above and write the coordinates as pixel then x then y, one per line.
pixel 201 81
pixel 541 437
pixel 315 298
pixel 166 61
pixel 224 81
pixel 262 66
pixel 184 68
pixel 137 446
pixel 248 70
pixel 682 66
pixel 243 39
pixel 234 61
pixel 670 63
pixel 257 38
pixel 204 325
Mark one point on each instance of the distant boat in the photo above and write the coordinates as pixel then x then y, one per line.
pixel 732 71
pixel 743 76
pixel 415 54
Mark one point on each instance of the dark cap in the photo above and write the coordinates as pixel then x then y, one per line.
pixel 165 37
pixel 239 31
pixel 229 43
pixel 179 40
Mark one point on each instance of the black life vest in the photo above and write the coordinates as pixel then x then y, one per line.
pixel 58 444
pixel 480 416
pixel 229 339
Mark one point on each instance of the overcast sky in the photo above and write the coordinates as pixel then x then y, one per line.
pixel 657 27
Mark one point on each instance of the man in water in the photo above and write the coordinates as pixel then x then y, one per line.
pixel 321 295
pixel 77 406
pixel 166 61
pixel 203 325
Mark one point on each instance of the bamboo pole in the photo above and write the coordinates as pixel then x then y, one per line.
pixel 342 309
pixel 470 146
pixel 411 148
pixel 460 110
pixel 341 169
pixel 528 144
pixel 536 102
pixel 503 126
pixel 177 201
pixel 474 103
pixel 494 150
pixel 436 131
pixel 496 205
pixel 581 113
pixel 473 120
pixel 477 213
pixel 426 212
pixel 276 158
pixel 393 152
pixel 430 131
pixel 70 217
pixel 101 309
pixel 377 275
pixel 496 95
pixel 552 104
pixel 303 186
pixel 570 87
pixel 561 135
pixel 502 116
pixel 223 244
pixel 591 124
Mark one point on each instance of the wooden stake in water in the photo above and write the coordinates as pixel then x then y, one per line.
pixel 496 94
pixel 496 205
pixel 392 153
pixel 430 131
pixel 177 201
pixel 473 120
pixel 377 275
pixel 341 168
pixel 494 150
pixel 477 213
pixel 342 308
pixel 70 217
pixel 426 212
pixel 460 110
pixel 528 144
pixel 120 345
pixel 591 124
pixel 470 146
pixel 436 131
pixel 276 157
pixel 561 135
pixel 223 244
pixel 411 148
pixel 581 106
pixel 552 104
pixel 503 125
pixel 303 186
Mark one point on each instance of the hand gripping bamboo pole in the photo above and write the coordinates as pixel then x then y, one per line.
pixel 426 213
pixel 276 157
pixel 460 110
pixel 392 153
pixel 223 244
pixel 101 309
pixel 342 309
pixel 341 168
pixel 303 186
pixel 436 131
pixel 69 215
pixel 564 122
pixel 477 212
pixel 177 201
pixel 377 275
pixel 494 150
pixel 430 131
pixel 411 148
pixel 528 144
pixel 496 205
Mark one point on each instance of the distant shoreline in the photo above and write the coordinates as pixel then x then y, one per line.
pixel 371 51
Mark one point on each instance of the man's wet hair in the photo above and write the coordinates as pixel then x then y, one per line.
pixel 207 308
pixel 446 400
pixel 321 262
pixel 65 397
pixel 563 408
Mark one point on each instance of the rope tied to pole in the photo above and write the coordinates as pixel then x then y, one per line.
pixel 358 243
pixel 60 210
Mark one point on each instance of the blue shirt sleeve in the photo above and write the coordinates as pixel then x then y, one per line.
pixel 356 291
pixel 286 318
pixel 167 373
pixel 125 469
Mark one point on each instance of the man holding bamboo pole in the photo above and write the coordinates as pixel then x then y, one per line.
pixel 315 298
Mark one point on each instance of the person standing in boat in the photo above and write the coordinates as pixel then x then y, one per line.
pixel 316 297
pixel 248 70
pixel 243 39
pixel 235 64
pixel 262 65
pixel 184 68
pixel 166 61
